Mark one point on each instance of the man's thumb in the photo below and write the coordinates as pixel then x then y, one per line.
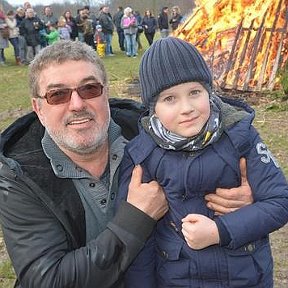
pixel 243 171
pixel 136 178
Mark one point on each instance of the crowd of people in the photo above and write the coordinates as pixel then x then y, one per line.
pixel 28 32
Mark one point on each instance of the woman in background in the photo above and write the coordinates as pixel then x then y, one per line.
pixel 149 24
pixel 3 37
pixel 13 34
pixel 176 18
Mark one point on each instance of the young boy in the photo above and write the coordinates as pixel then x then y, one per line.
pixel 191 142
pixel 99 40
pixel 53 35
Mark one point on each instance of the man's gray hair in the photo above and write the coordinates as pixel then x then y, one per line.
pixel 61 52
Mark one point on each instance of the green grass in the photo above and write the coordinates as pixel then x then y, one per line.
pixel 14 89
pixel 271 121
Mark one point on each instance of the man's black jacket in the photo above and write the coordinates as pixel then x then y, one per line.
pixel 43 219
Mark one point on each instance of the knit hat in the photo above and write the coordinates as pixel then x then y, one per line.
pixel 168 62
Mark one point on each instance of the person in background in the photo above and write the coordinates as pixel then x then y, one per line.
pixel 53 35
pixel 27 5
pixel 92 16
pixel 80 18
pixel 163 23
pixel 70 20
pixel 149 24
pixel 129 25
pixel 13 34
pixel 47 19
pixel 139 30
pixel 61 188
pixel 30 28
pixel 191 142
pixel 176 18
pixel 105 20
pixel 117 22
pixel 88 30
pixel 4 35
pixel 20 16
pixel 64 29
pixel 99 39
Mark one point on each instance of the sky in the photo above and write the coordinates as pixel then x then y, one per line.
pixel 33 2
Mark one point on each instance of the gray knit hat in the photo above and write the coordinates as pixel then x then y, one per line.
pixel 168 62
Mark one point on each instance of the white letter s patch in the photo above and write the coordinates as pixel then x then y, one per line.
pixel 267 155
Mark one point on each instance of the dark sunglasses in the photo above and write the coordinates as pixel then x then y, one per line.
pixel 63 95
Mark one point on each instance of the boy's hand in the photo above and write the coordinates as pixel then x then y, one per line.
pixel 199 231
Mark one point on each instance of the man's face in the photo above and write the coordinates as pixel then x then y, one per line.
pixel 105 9
pixel 79 125
pixel 48 11
pixel 30 13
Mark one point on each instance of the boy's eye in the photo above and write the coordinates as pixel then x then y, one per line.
pixel 168 99
pixel 195 92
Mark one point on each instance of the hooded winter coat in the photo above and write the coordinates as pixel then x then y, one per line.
pixel 243 258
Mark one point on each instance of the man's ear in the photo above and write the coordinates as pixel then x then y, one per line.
pixel 36 105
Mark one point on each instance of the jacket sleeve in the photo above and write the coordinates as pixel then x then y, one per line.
pixel 141 273
pixel 269 211
pixel 39 250
pixel 11 24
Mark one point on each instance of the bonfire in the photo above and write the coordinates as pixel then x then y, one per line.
pixel 244 42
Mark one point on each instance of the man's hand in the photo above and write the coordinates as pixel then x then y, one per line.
pixel 148 197
pixel 229 200
pixel 199 231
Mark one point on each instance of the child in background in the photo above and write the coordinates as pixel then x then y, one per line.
pixel 53 35
pixel 64 29
pixel 99 40
pixel 190 142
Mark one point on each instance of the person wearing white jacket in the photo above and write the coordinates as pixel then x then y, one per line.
pixel 13 34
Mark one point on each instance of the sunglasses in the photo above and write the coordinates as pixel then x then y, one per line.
pixel 63 95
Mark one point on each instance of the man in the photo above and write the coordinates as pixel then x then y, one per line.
pixel 48 19
pixel 30 28
pixel 58 192
pixel 163 22
pixel 20 16
pixel 117 22
pixel 105 20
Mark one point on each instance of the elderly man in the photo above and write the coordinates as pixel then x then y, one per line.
pixel 30 27
pixel 58 182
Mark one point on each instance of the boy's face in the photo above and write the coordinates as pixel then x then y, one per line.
pixel 183 109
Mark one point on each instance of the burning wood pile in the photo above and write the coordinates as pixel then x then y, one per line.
pixel 245 42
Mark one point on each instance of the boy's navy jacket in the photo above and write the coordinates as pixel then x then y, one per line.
pixel 243 258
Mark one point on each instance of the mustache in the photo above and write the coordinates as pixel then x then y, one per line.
pixel 79 115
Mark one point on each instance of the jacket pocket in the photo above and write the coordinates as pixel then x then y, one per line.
pixel 250 264
pixel 171 270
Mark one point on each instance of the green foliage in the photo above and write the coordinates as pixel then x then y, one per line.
pixel 283 74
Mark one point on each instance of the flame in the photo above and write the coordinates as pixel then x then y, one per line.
pixel 243 41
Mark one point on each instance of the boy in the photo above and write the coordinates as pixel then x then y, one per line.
pixel 99 39
pixel 190 143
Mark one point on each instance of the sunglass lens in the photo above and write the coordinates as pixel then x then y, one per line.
pixel 58 96
pixel 90 90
